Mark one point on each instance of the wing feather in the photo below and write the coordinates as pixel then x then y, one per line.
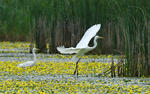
pixel 70 50
pixel 89 34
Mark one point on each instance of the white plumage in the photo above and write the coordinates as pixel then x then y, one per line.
pixel 29 63
pixel 82 47
pixel 70 50
pixel 89 34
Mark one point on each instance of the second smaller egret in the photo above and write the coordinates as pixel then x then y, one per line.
pixel 29 63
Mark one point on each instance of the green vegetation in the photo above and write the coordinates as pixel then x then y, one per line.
pixel 125 26
pixel 48 76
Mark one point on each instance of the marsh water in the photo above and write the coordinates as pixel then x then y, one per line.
pixel 24 56
pixel 48 57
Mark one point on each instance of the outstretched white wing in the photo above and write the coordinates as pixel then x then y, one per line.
pixel 70 50
pixel 89 34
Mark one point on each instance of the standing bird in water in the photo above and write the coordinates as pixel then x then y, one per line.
pixel 29 63
pixel 82 47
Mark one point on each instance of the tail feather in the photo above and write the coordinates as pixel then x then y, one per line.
pixel 64 50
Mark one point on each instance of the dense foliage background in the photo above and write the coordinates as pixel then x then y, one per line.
pixel 125 26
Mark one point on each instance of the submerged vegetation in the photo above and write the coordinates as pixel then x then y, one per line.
pixel 125 27
pixel 14 45
pixel 57 77
pixel 71 86
pixel 53 68
pixel 47 24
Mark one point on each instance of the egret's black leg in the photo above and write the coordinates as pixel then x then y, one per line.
pixel 76 70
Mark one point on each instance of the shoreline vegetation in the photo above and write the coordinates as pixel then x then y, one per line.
pixel 49 76
pixel 125 27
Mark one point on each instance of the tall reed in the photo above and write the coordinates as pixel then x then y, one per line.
pixel 125 26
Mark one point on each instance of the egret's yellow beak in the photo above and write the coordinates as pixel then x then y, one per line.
pixel 100 37
pixel 37 49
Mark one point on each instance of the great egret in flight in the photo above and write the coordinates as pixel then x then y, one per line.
pixel 29 63
pixel 82 47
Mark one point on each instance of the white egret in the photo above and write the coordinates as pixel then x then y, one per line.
pixel 29 63
pixel 82 47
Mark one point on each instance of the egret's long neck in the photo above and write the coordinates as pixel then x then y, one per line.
pixel 34 55
pixel 95 42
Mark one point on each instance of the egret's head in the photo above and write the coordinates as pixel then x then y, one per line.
pixel 34 50
pixel 98 37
